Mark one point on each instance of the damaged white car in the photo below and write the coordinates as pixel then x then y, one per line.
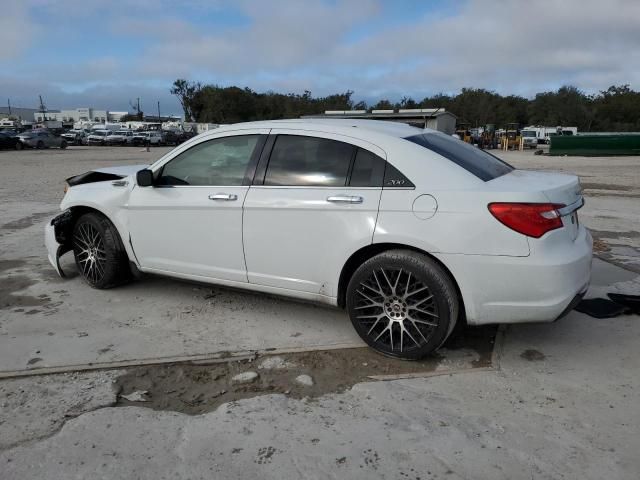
pixel 407 229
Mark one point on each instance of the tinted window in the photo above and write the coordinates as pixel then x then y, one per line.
pixel 478 162
pixel 308 161
pixel 368 170
pixel 222 161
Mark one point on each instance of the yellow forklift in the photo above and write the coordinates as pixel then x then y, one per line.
pixel 464 133
pixel 512 139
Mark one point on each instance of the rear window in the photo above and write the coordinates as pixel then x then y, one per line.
pixel 474 160
pixel 308 161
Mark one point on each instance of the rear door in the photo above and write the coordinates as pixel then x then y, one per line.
pixel 313 203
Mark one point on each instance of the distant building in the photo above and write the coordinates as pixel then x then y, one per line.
pixel 72 116
pixel 116 116
pixel 434 118
pixel 23 115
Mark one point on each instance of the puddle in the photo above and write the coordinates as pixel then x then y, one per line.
pixel 196 389
pixel 26 222
pixel 11 264
pixel 16 283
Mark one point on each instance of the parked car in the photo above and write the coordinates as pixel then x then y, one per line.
pixel 75 136
pixel 99 137
pixel 9 140
pixel 151 137
pixel 409 230
pixel 121 137
pixel 42 139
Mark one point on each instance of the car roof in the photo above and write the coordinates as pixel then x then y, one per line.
pixel 336 125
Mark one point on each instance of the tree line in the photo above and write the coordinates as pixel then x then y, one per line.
pixel 614 109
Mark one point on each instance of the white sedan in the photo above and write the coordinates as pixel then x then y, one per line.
pixel 409 230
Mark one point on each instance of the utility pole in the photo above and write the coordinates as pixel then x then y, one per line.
pixel 9 104
pixel 159 111
pixel 43 109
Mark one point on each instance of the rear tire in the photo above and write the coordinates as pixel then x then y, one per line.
pixel 99 253
pixel 402 304
pixel 19 146
pixel 40 145
pixel 63 145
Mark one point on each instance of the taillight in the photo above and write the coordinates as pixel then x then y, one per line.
pixel 531 219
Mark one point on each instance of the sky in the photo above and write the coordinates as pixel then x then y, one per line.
pixel 104 54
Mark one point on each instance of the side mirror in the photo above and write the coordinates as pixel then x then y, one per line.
pixel 144 178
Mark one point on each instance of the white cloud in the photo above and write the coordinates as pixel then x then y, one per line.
pixel 16 30
pixel 510 46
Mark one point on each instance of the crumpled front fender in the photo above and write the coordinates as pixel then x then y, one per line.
pixel 57 239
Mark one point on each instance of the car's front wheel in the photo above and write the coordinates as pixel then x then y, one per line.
pixel 402 304
pixel 98 251
pixel 63 144
pixel 19 146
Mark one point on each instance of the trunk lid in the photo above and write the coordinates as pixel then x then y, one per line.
pixel 556 187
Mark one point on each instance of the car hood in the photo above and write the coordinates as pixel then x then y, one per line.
pixel 125 170
pixel 104 174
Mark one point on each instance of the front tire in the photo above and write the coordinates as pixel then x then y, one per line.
pixel 402 304
pixel 19 146
pixel 99 253
pixel 63 144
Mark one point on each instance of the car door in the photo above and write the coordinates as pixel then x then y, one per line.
pixel 313 203
pixel 47 139
pixel 190 222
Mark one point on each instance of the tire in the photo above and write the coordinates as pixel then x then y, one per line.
pixel 99 253
pixel 40 145
pixel 63 145
pixel 19 146
pixel 402 304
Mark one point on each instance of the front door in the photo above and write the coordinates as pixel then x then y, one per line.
pixel 190 222
pixel 317 204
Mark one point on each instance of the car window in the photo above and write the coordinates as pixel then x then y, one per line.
pixel 222 161
pixel 308 161
pixel 368 170
pixel 478 162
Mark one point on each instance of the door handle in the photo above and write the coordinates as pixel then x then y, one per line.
pixel 345 199
pixel 226 197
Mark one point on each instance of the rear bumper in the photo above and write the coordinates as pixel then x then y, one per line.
pixel 538 288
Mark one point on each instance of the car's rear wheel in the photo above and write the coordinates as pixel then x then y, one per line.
pixel 40 145
pixel 19 146
pixel 99 253
pixel 63 144
pixel 402 303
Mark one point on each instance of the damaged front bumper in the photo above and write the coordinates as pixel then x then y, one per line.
pixel 57 239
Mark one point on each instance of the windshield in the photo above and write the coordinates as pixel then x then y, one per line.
pixel 474 160
pixel 100 134
pixel 528 133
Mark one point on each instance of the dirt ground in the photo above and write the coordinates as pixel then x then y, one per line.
pixel 196 389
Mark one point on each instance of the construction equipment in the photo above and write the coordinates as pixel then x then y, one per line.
pixel 488 137
pixel 512 139
pixel 464 133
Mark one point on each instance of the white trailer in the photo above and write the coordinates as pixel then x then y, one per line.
pixel 543 133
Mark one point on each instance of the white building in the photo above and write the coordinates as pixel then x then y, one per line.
pixel 72 116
